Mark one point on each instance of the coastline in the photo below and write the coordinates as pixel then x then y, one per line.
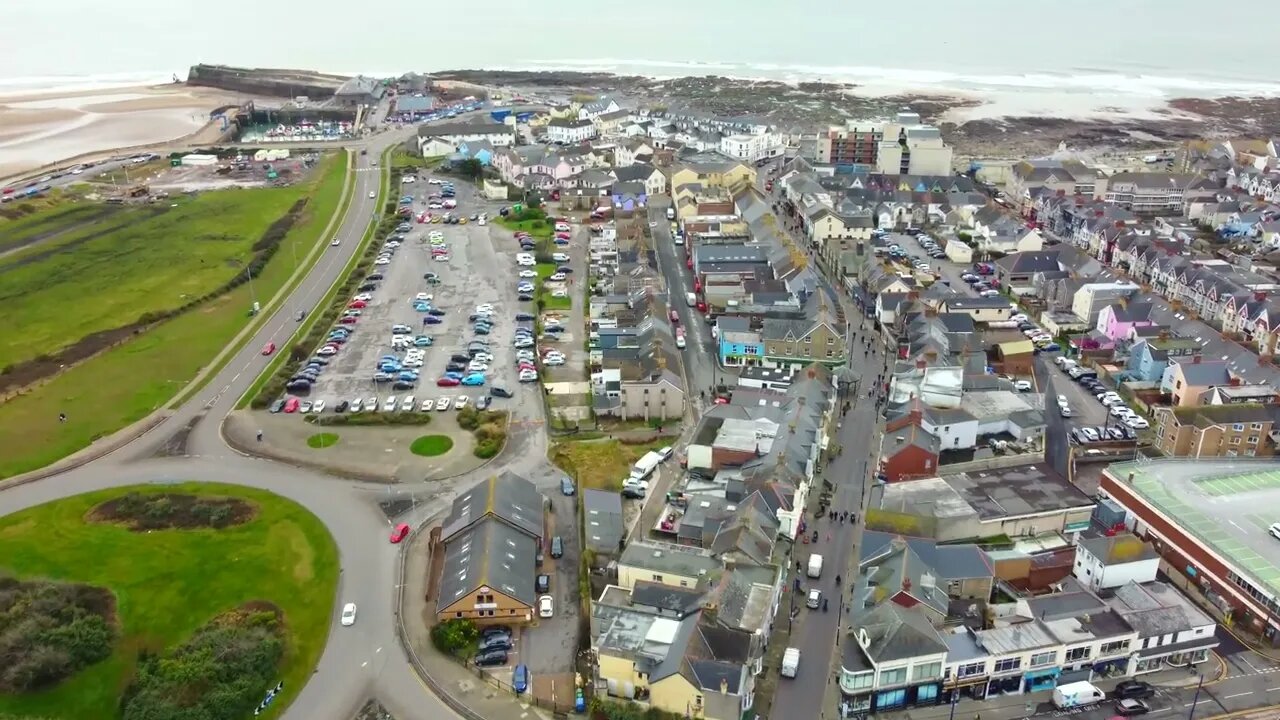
pixel 38 128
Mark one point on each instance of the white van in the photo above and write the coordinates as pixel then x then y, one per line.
pixel 815 565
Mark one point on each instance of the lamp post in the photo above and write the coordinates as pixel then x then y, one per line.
pixel 955 700
pixel 1196 699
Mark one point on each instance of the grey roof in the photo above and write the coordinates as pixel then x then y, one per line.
pixel 1203 373
pixel 676 600
pixel 638 172
pixel 1024 263
pixel 687 562
pixel 976 303
pixel 729 253
pixel 1117 549
pixel 449 129
pixel 1155 609
pixel 602 511
pixel 413 103
pixel 896 633
pixel 949 562
pixel 360 85
pixel 490 554
pixel 507 497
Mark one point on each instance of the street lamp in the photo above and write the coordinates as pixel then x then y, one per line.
pixel 1196 699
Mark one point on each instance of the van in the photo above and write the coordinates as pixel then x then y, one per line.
pixel 557 547
pixel 815 565
pixel 790 662
pixel 690 299
pixel 1076 694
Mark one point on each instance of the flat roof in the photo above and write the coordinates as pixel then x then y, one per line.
pixel 1226 505
pixel 993 494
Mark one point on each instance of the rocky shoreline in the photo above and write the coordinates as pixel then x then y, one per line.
pixel 808 107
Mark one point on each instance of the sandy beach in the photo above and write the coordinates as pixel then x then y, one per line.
pixel 38 129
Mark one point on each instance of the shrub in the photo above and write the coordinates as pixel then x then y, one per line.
pixel 52 630
pixel 454 637
pixel 363 419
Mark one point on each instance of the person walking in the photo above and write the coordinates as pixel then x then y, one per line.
pixel 259 436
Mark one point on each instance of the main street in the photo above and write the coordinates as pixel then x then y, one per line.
pixel 700 357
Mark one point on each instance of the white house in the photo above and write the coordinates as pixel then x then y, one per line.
pixel 432 147
pixel 458 133
pixel 749 147
pixel 593 110
pixel 630 152
pixel 570 132
pixel 1103 563
pixel 1172 631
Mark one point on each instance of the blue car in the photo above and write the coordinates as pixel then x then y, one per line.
pixel 473 379
pixel 481 329
pixel 520 678
pixel 423 341
pixel 454 375
pixel 431 320
pixel 408 376
pixel 422 307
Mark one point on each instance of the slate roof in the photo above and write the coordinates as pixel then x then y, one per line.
pixel 492 554
pixel 1156 609
pixel 1202 373
pixel 450 129
pixel 507 497
pixel 897 633
pixel 1026 263
pixel 677 600
pixel 604 522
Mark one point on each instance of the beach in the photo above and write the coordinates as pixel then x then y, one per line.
pixel 37 129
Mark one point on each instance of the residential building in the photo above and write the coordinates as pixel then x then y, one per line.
pixel 596 108
pixel 1019 269
pixel 605 527
pixel 1149 358
pixel 750 147
pixel 1116 320
pixel 490 542
pixel 655 183
pixel 1186 380
pixel 1235 430
pixel 630 152
pixel 727 173
pixel 738 344
pixel 1111 561
pixel 359 90
pixel 981 309
pixel 1092 298
pixel 1156 192
pixel 1172 631
pixel 570 132
pixel 1067 178
pixel 457 133
pixel 907 450
pixel 904 145
pixel 664 563
pixel 893 659
pixel 1181 507
pixel 610 124
pixel 815 337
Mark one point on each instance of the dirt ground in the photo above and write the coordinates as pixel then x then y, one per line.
pixel 377 453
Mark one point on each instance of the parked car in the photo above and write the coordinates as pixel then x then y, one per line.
pixel 400 532
pixel 491 658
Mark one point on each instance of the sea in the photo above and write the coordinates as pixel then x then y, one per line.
pixel 1123 55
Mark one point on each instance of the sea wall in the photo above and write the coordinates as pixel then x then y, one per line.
pixel 266 81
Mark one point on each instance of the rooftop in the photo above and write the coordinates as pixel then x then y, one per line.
pixel 1222 505
pixel 685 562
pixel 992 494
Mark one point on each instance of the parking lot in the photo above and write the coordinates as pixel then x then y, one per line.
pixel 435 316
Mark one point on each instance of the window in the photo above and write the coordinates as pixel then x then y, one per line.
pixel 1235 441
pixel 1113 648
pixel 896 676
pixel 1255 426
pixel 927 671
pixel 1253 439
pixel 860 681
pixel 1007 664
pixel 1238 427
pixel 1077 654
pixel 657 578
pixel 1044 658
pixel 971 670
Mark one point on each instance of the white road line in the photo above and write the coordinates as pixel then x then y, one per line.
pixel 1228 697
pixel 1198 702
pixel 1274 689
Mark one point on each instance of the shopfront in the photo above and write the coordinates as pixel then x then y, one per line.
pixel 1176 655
pixel 1005 685
pixel 970 688
pixel 1038 680
pixel 926 694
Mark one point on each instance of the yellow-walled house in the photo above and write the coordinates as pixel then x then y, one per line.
pixel 663 564
pixel 731 175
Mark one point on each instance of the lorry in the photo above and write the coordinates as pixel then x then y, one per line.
pixel 790 662
pixel 1077 694
pixel 690 299
pixel 815 565
pixel 645 466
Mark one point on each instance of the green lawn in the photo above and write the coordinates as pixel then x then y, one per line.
pixel 546 270
pixel 168 583
pixel 600 464
pixel 431 445
pixel 128 382
pixel 141 259
pixel 322 440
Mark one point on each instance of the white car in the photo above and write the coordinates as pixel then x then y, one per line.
pixel 427 405
pixel 559 293
pixel 336 242
pixel 560 257
pixel 409 403
pixel 355 405
pixel 442 258
pixel 528 273
pixel 553 361
pixel 1062 400
pixel 1120 411
pixel 443 403
pixel 349 614
pixel 373 195
pixel 482 221
pixel 461 401
pixel 382 261
pixel 483 357
pixel 1022 385
pixel 363 297
pixel 424 296
pixel 389 405
pixel 520 343
pixel 557 277
pixel 1089 433
pixel 484 308
pixel 407 179
pixel 551 321
pixel 476 367
pixel 546 607
pixel 317 406
pixel 528 376
pixel 1136 422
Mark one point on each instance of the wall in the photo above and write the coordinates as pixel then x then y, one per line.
pixel 628 575
pixel 1090 570
pixel 674 694
pixel 956 435
pixel 506 609
pixel 621 671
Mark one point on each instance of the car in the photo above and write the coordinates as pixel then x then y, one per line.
pixel 557 277
pixel 448 382
pixel 483 402
pixel 349 614
pixel 501 392
pixel 268 348
pixel 553 362
pixel 546 607
pixel 1129 707
pixel 431 320
pixel 490 658
pixel 473 379
pixel 1091 434
pixel 444 403
pixel 277 406
pixel 354 406
pixel 496 641
pixel 526 376
pixel 1274 530
pixel 524 287
pixel 1136 423
pixel 304 407
pixel 400 532
pixel 528 273
pixel 291 405
pixel 1133 689
pixel 461 401
pixel 1022 385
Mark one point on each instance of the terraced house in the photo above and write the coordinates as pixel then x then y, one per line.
pixel 795 343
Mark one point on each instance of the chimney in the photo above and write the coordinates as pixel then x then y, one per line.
pixel 1195 359
pixel 724 686
pixel 921 364
pixel 1260 295
pixel 1234 381
pixel 1164 335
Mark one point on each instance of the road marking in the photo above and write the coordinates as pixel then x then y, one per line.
pixel 1228 697
pixel 1274 689
pixel 1197 702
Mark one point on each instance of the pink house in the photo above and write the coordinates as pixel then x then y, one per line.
pixel 1116 320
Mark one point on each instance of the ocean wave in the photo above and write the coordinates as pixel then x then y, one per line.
pixel 41 84
pixel 1086 80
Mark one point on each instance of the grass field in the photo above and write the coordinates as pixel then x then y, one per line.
pixel 599 464
pixel 322 440
pixel 431 445
pixel 144 258
pixel 128 382
pixel 168 583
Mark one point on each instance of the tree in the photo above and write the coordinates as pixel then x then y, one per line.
pixel 470 168
pixel 454 636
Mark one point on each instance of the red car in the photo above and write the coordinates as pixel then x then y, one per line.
pixel 291 405
pixel 674 317
pixel 562 235
pixel 689 263
pixel 401 531
pixel 348 320
pixel 447 382
pixel 358 304
pixel 269 348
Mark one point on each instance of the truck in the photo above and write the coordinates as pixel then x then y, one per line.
pixel 815 565
pixel 1076 694
pixel 645 466
pixel 790 662
pixel 690 299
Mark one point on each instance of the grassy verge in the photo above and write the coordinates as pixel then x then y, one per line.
pixel 168 583
pixel 600 464
pixel 322 316
pixel 126 383
pixel 294 282
pixel 543 296
pixel 322 440
pixel 431 445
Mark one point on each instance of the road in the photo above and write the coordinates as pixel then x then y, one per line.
pixel 700 361
pixel 357 663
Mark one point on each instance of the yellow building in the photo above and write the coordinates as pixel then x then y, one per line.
pixel 731 175
pixel 662 564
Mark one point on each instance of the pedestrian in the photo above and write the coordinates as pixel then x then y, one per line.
pixel 62 417
pixel 259 436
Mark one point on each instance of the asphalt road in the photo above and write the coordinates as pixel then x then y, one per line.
pixel 700 348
